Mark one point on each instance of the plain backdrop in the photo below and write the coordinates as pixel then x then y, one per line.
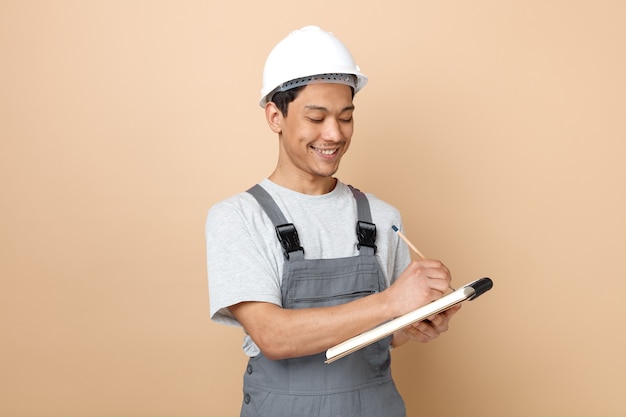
pixel 496 127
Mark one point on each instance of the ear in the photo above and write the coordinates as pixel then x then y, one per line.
pixel 274 117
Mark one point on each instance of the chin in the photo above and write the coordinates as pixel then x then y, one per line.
pixel 325 173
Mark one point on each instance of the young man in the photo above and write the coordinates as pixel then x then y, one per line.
pixel 302 261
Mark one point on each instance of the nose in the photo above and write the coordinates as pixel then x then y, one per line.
pixel 332 130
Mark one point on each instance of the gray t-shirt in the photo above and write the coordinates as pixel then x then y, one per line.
pixel 245 258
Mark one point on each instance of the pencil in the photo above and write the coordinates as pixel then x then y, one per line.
pixel 412 246
pixel 419 254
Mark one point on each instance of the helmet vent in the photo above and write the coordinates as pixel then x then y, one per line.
pixel 334 78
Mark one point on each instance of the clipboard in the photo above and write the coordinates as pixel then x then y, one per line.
pixel 468 292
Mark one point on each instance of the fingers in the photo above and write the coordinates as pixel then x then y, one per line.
pixel 431 267
pixel 452 310
pixel 429 329
pixel 435 271
pixel 448 313
pixel 435 268
pixel 421 283
pixel 422 332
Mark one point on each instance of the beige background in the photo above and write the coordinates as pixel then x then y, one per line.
pixel 497 127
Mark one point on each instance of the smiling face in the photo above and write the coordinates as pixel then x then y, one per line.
pixel 313 137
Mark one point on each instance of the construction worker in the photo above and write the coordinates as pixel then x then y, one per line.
pixel 303 261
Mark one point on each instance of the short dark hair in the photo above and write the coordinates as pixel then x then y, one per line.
pixel 283 98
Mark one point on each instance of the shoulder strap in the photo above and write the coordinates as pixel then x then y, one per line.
pixel 286 232
pixel 365 229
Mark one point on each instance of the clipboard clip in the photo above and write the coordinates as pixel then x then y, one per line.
pixel 480 286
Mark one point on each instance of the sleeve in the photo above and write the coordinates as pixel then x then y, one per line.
pixel 241 259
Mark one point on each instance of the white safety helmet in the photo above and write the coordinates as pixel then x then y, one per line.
pixel 309 55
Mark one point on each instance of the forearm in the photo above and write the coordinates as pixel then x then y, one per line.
pixel 284 333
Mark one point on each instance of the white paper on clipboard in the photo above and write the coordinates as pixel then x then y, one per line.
pixel 467 292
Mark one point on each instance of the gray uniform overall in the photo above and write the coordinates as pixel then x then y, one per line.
pixel 358 385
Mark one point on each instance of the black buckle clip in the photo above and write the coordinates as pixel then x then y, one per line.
pixel 366 233
pixel 288 237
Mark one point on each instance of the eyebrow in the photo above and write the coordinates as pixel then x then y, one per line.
pixel 322 108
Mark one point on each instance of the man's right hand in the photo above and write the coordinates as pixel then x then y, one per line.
pixel 421 282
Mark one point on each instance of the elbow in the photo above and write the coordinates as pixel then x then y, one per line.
pixel 273 354
pixel 269 327
pixel 273 347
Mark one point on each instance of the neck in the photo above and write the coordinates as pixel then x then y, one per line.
pixel 311 186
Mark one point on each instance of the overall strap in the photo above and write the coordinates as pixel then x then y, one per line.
pixel 365 229
pixel 286 232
